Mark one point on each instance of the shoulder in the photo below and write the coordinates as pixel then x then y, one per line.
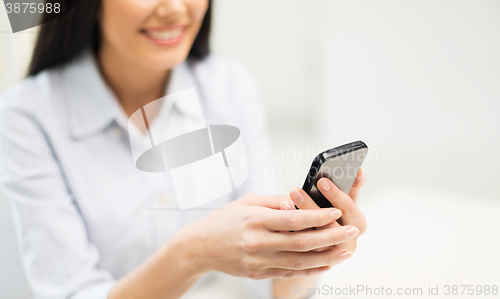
pixel 32 94
pixel 33 106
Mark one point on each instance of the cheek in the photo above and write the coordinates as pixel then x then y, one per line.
pixel 197 9
pixel 121 19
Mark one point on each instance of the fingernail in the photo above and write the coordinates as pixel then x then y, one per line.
pixel 296 196
pixel 344 256
pixel 324 185
pixel 286 206
pixel 351 233
pixel 335 214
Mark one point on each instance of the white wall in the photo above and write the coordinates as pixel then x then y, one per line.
pixel 271 39
pixel 416 80
pixel 15 50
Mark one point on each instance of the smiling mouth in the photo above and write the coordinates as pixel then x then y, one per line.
pixel 164 35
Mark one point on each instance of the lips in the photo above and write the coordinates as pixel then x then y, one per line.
pixel 164 35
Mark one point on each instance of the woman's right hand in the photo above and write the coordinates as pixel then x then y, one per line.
pixel 245 238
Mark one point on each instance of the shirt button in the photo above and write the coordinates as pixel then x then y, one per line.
pixel 162 199
pixel 117 132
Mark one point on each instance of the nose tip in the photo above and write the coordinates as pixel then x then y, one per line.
pixel 171 9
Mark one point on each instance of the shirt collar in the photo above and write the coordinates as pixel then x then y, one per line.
pixel 181 78
pixel 92 104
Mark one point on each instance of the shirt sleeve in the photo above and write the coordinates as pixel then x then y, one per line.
pixel 59 259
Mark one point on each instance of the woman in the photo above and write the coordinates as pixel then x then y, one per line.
pixel 84 212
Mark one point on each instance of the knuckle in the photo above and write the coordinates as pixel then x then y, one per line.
pixel 251 264
pixel 349 207
pixel 302 243
pixel 252 220
pixel 299 265
pixel 336 238
pixel 289 274
pixel 292 222
pixel 251 244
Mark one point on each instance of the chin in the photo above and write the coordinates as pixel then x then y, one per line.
pixel 166 61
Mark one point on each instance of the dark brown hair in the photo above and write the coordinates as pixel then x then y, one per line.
pixel 63 38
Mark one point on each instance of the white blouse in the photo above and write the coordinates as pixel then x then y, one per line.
pixel 85 215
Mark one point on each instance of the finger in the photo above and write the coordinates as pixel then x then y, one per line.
pixel 323 249
pixel 276 272
pixel 350 212
pixel 297 219
pixel 356 186
pixel 308 260
pixel 271 201
pixel 303 241
pixel 287 205
pixel 349 245
pixel 302 200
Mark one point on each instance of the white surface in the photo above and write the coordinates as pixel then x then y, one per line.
pixel 419 236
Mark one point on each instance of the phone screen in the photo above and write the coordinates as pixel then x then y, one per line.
pixel 341 165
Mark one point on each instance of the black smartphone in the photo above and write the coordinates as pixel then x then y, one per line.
pixel 341 165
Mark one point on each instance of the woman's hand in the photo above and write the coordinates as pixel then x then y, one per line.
pixel 245 239
pixel 351 215
pixel 250 237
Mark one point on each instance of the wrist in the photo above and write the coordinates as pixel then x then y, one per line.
pixel 185 249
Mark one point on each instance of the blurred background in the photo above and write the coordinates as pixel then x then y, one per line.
pixel 418 81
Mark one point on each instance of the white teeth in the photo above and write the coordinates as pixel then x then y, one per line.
pixel 165 35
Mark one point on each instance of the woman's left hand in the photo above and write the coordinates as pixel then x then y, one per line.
pixel 351 215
